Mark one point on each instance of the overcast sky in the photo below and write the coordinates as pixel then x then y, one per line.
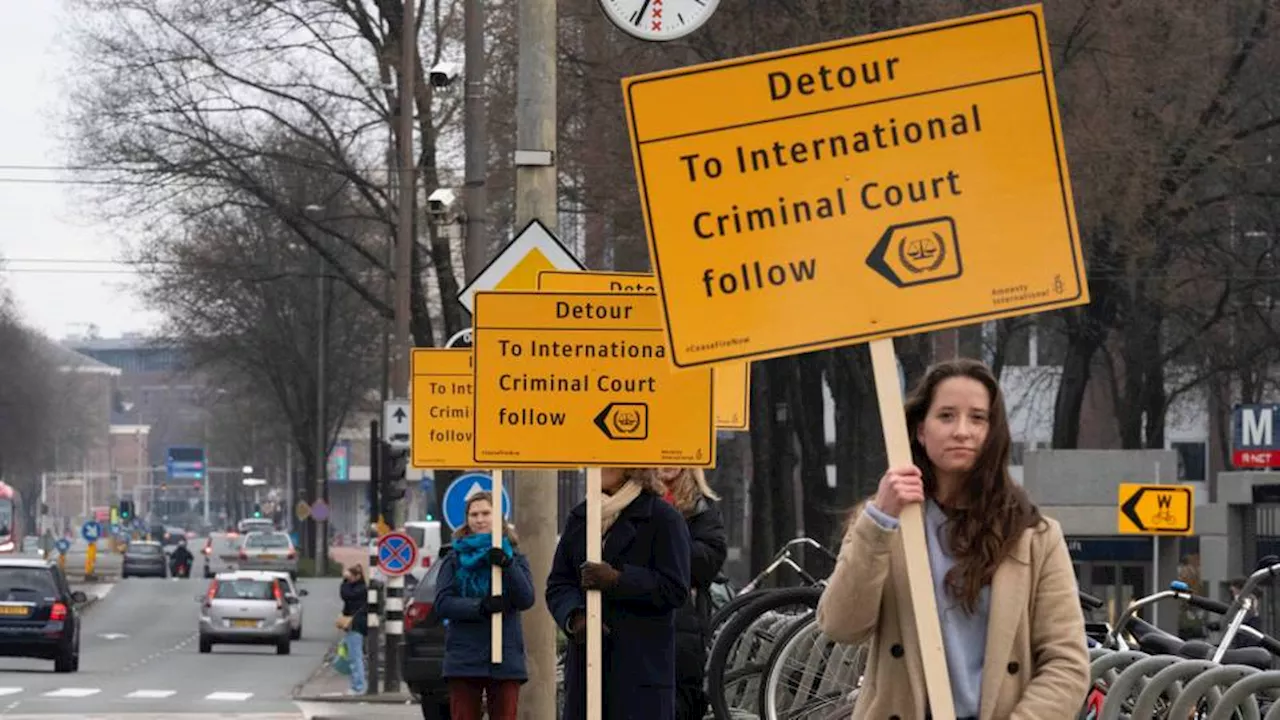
pixel 58 263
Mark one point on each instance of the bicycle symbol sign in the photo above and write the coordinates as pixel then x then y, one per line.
pixel 397 553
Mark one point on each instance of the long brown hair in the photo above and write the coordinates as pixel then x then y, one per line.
pixel 993 510
pixel 465 529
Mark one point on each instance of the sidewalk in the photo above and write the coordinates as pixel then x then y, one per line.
pixel 327 685
pixel 94 590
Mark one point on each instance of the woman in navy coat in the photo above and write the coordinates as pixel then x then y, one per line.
pixel 643 580
pixel 464 601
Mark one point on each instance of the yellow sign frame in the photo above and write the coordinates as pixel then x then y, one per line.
pixel 584 380
pixel 732 380
pixel 856 190
pixel 1170 511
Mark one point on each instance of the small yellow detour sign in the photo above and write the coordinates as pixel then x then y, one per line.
pixel 1156 509
pixel 584 380
pixel 441 400
pixel 732 381
pixel 856 190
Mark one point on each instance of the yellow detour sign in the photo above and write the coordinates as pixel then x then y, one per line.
pixel 584 380
pixel 731 381
pixel 441 403
pixel 856 190
pixel 533 250
pixel 1156 509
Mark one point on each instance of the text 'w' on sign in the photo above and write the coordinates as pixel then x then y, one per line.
pixel 732 381
pixel 858 189
pixel 584 380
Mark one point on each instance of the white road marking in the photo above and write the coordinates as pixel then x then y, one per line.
pixel 151 694
pixel 72 692
pixel 9 691
pixel 233 696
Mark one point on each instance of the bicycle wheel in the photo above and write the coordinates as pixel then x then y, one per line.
pixel 807 674
pixel 748 638
pixel 730 608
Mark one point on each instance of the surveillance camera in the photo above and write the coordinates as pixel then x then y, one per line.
pixel 442 74
pixel 441 201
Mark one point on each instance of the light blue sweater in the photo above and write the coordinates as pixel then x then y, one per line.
pixel 964 636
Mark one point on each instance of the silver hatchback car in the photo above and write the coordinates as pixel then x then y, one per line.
pixel 248 608
pixel 270 550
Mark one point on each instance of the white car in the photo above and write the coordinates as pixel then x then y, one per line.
pixel 293 596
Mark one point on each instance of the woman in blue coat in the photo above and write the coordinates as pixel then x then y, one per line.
pixel 643 580
pixel 464 602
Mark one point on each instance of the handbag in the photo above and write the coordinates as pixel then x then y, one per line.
pixel 344 622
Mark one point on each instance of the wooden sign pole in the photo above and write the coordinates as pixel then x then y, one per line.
pixel 595 627
pixel 884 365
pixel 495 583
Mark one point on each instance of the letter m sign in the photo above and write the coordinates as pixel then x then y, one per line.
pixel 1254 427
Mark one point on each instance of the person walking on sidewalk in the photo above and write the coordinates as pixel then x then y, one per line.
pixel 1012 628
pixel 465 602
pixel 688 492
pixel 643 580
pixel 355 622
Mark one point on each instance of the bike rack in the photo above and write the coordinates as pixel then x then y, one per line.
pixel 1132 679
pixel 1244 691
pixel 1168 682
pixel 1112 664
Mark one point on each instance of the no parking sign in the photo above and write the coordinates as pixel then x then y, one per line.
pixel 397 553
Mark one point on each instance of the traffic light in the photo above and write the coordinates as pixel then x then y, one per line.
pixel 395 463
pixel 257 510
pixel 125 509
pixel 196 486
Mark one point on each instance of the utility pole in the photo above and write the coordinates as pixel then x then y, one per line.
pixel 475 119
pixel 322 465
pixel 536 199
pixel 394 610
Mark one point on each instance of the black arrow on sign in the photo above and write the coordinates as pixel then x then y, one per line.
pixel 399 414
pixel 1130 508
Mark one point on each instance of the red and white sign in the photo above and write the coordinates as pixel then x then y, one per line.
pixel 1262 459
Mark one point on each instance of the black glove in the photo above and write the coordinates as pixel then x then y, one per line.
pixel 499 557
pixel 578 628
pixel 493 604
pixel 598 576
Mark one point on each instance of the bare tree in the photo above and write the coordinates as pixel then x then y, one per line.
pixel 176 104
pixel 27 417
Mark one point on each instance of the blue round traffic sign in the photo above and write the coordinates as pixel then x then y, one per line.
pixel 62 545
pixel 397 553
pixel 455 498
pixel 91 531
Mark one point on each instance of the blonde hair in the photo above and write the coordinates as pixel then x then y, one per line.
pixel 646 478
pixel 688 487
pixel 465 529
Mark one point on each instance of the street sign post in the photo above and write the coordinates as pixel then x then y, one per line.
pixel 731 381
pixel 859 189
pixel 397 553
pixel 1144 509
pixel 461 490
pixel 533 250
pixel 91 531
pixel 584 380
pixel 395 423
pixel 1253 436
pixel 62 545
pixel 320 510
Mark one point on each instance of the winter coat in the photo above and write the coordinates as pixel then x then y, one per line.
pixel 709 547
pixel 1036 665
pixel 468 636
pixel 649 545
pixel 355 603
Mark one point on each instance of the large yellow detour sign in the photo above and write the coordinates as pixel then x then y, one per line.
pixel 584 380
pixel 857 189
pixel 732 381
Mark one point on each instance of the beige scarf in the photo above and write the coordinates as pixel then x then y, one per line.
pixel 613 505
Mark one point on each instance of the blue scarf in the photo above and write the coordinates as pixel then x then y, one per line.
pixel 472 551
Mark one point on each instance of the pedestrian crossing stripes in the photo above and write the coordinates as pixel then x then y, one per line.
pixel 145 694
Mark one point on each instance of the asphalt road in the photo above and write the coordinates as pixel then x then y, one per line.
pixel 139 659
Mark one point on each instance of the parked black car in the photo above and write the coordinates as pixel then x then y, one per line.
pixel 422 656
pixel 38 613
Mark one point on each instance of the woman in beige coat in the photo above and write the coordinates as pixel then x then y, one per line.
pixel 1012 627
